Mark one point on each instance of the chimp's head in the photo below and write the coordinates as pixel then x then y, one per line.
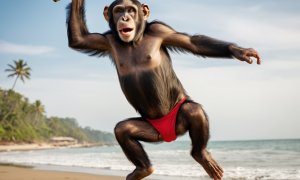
pixel 127 19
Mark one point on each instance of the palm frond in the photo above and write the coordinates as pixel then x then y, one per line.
pixel 12 67
pixel 21 61
pixel 28 69
pixel 16 63
pixel 22 78
pixel 38 103
pixel 20 64
pixel 12 75
pixel 27 76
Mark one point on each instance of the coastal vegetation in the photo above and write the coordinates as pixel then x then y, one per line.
pixel 22 121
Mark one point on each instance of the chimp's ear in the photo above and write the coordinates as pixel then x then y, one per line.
pixel 146 11
pixel 105 13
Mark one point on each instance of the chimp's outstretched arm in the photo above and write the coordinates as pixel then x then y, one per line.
pixel 200 45
pixel 79 37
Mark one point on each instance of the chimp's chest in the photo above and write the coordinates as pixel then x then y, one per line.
pixel 145 55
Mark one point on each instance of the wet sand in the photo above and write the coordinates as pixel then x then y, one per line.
pixel 13 173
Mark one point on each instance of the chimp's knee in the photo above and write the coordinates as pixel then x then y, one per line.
pixel 194 113
pixel 123 129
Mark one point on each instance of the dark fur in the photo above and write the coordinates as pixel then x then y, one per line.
pixel 153 93
pixel 84 30
pixel 210 47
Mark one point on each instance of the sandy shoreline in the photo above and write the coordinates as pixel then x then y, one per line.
pixel 13 173
pixel 43 146
pixel 25 147
pixel 34 172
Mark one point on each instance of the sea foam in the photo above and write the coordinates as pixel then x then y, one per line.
pixel 253 162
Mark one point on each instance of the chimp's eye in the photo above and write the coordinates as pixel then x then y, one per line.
pixel 119 11
pixel 130 10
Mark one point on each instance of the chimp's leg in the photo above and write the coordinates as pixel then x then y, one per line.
pixel 128 133
pixel 192 117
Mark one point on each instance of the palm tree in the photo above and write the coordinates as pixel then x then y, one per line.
pixel 54 123
pixel 19 70
pixel 38 110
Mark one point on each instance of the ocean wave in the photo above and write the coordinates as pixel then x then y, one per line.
pixel 260 173
pixel 239 162
pixel 117 161
pixel 169 152
pixel 222 151
pixel 264 151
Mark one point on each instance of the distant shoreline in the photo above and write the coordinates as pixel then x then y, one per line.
pixel 47 146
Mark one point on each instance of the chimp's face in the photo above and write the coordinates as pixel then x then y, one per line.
pixel 127 19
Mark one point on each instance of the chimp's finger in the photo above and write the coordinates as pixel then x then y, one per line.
pixel 256 55
pixel 247 59
pixel 258 59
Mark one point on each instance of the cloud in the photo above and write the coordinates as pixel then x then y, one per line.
pixel 256 26
pixel 263 35
pixel 6 47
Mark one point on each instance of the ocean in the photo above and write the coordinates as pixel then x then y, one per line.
pixel 260 159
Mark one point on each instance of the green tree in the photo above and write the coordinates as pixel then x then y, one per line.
pixel 21 121
pixel 19 70
pixel 38 110
pixel 12 103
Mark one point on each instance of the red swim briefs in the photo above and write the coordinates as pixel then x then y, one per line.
pixel 166 125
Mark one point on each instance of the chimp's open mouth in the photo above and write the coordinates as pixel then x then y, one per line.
pixel 126 31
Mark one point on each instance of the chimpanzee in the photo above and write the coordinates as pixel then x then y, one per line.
pixel 140 52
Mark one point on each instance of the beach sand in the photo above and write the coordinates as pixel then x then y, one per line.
pixel 25 147
pixel 13 173
pixel 44 146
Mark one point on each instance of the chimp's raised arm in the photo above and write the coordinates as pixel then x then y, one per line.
pixel 79 37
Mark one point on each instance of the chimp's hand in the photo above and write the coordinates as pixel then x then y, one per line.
pixel 245 54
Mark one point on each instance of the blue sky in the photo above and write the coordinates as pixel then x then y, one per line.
pixel 243 101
